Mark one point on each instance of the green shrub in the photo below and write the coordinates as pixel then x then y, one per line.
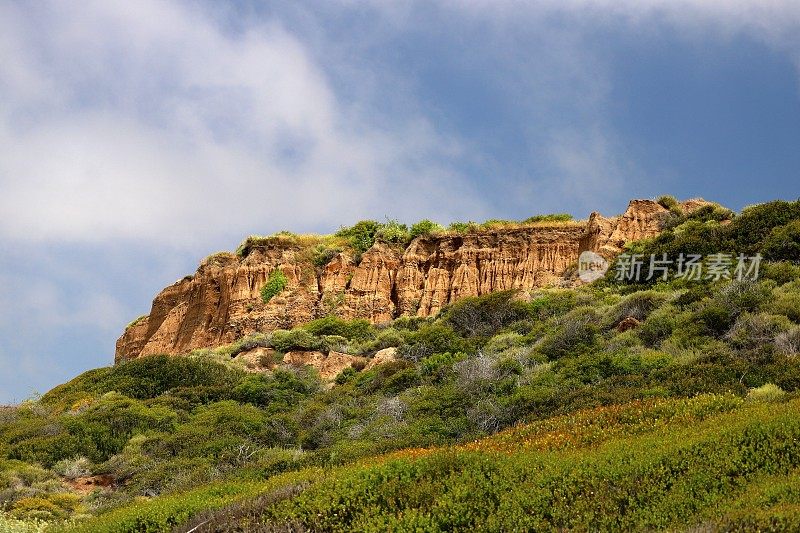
pixel 430 339
pixel 551 303
pixel 768 392
pixel 437 367
pixel 73 468
pixel 783 243
pixel 689 468
pixel 638 305
pixel 755 330
pixel 497 223
pixel 574 334
pixel 361 236
pixel 667 201
pixel 555 217
pixel 424 228
pixel 752 227
pixel 485 315
pixel 345 375
pixel 502 342
pixel 658 326
pixel 463 227
pixel 788 342
pixel 276 283
pixel 393 232
pixel 294 339
pixel 164 513
pixel 352 330
pixel 322 255
pixel 717 318
pixel 259 340
pixel 142 378
pixel 781 272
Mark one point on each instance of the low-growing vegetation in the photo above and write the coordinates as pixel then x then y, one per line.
pixel 515 410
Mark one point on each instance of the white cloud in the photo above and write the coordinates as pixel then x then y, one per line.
pixel 148 120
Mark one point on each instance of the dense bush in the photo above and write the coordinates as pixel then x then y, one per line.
pixel 275 284
pixel 783 242
pixel 574 334
pixel 352 330
pixel 423 228
pixel 295 339
pixel 770 229
pixel 485 316
pixel 360 236
pixel 393 232
pixel 146 377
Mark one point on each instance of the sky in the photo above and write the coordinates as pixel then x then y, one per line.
pixel 137 138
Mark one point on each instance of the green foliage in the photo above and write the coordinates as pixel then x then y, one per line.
pixel 142 378
pixel 295 339
pixel 430 339
pixel 352 330
pixel 638 305
pixel 575 333
pixel 769 392
pixel 361 236
pixel 485 315
pixel 770 229
pixel 658 326
pixel 781 272
pixel 463 227
pixel 276 283
pixel 424 228
pixel 13 525
pixel 667 201
pixel 497 223
pixel 688 469
pixel 554 217
pixel 393 232
pixel 164 513
pixel 323 254
pixel 750 229
pixel 783 243
pixel 136 321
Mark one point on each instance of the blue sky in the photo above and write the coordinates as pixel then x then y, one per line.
pixel 138 137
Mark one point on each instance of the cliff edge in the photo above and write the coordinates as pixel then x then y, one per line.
pixel 222 301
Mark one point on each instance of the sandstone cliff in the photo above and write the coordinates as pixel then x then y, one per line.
pixel 221 302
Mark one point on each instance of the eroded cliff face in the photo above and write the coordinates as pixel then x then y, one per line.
pixel 221 302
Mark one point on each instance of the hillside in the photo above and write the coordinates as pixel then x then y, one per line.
pixel 668 403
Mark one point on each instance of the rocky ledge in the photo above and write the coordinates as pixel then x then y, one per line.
pixel 221 302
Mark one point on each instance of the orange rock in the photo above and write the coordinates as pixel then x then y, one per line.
pixel 88 484
pixel 382 356
pixel 627 323
pixel 329 366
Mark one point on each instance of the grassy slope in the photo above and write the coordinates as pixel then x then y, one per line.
pixel 712 460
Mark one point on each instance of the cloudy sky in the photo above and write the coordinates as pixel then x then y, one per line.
pixel 138 137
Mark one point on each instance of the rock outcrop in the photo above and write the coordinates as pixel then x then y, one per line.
pixel 221 302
